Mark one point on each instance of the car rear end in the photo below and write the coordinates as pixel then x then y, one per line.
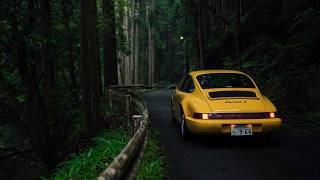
pixel 236 110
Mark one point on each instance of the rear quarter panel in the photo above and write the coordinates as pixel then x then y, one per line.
pixel 269 106
pixel 195 103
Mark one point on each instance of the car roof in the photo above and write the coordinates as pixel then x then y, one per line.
pixel 199 72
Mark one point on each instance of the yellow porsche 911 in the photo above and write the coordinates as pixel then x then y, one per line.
pixel 222 102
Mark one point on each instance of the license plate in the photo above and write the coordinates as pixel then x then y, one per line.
pixel 241 130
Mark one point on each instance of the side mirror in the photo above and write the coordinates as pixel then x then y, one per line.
pixel 172 87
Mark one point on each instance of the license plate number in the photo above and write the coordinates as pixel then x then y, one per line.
pixel 241 130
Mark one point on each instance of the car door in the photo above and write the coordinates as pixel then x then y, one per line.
pixel 186 88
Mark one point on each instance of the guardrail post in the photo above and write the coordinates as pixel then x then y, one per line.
pixel 127 99
pixel 126 164
pixel 137 122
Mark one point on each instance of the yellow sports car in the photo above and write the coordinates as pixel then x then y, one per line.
pixel 222 102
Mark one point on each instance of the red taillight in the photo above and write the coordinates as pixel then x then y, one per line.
pixel 197 115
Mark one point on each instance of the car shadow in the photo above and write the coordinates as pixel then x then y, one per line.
pixel 218 141
pixel 225 141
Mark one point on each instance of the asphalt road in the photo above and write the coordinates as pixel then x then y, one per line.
pixel 293 154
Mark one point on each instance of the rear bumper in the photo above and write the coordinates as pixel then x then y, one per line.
pixel 216 126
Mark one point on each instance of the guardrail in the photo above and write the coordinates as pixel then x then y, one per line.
pixel 126 164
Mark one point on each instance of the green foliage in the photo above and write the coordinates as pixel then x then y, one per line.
pixel 67 123
pixel 275 57
pixel 153 162
pixel 228 63
pixel 90 163
pixel 170 24
pixel 21 98
pixel 6 136
pixel 243 19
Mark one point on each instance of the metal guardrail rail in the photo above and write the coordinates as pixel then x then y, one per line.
pixel 126 164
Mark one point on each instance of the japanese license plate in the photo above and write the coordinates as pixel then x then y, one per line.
pixel 241 130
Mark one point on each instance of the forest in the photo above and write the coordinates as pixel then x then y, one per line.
pixel 58 58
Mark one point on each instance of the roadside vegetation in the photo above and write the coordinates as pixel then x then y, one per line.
pixel 89 163
pixel 153 165
pixel 93 160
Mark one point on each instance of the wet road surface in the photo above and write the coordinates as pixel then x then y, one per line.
pixel 292 154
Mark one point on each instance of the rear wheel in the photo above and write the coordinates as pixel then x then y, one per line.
pixel 183 128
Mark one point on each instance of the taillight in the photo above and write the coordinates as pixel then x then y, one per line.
pixel 234 115
pixel 197 115
pixel 201 116
pixel 271 115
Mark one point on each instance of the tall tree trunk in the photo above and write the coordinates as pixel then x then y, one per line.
pixel 171 52
pixel 101 89
pixel 151 41
pixel 120 69
pixel 236 33
pixel 147 18
pixel 35 114
pixel 89 66
pixel 66 14
pixel 110 44
pixel 126 55
pixel 185 57
pixel 136 51
pixel 47 60
pixel 47 56
pixel 132 41
pixel 200 36
pixel 121 35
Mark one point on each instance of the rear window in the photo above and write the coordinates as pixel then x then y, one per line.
pixel 224 80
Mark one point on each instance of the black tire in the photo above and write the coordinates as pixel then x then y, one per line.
pixel 184 132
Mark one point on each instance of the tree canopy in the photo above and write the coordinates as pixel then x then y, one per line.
pixel 58 57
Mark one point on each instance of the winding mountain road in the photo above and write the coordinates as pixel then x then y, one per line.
pixel 293 154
